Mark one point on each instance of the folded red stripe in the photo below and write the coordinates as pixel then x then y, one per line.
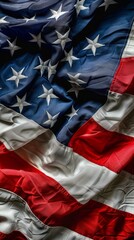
pixel 110 149
pixel 123 81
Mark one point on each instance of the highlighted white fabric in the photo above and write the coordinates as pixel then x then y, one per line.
pixel 15 130
pixel 117 114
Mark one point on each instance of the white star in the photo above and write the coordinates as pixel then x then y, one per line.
pixel 58 13
pixel 37 39
pixel 12 47
pixel 62 39
pixel 79 6
pixel 74 79
pixel 2 20
pixel 21 103
pixel 42 66
pixel 69 57
pixel 107 3
pixel 51 119
pixel 48 94
pixel 75 88
pixel 51 69
pixel 93 45
pixel 17 76
pixel 29 19
pixel 75 82
pixel 73 113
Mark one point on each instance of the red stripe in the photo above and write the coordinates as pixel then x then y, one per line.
pixel 123 81
pixel 130 167
pixel 10 160
pixel 110 149
pixel 103 222
pixel 54 206
pixel 12 236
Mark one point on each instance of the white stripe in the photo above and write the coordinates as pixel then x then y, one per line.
pixel 129 49
pixel 15 130
pixel 15 215
pixel 117 114
pixel 80 177
pixel 119 194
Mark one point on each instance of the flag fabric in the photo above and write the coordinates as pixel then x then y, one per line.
pixel 67 120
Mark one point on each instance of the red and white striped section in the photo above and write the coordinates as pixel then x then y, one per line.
pixel 15 215
pixel 54 206
pixel 71 191
pixel 83 179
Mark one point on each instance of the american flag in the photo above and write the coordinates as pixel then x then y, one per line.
pixel 67 119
